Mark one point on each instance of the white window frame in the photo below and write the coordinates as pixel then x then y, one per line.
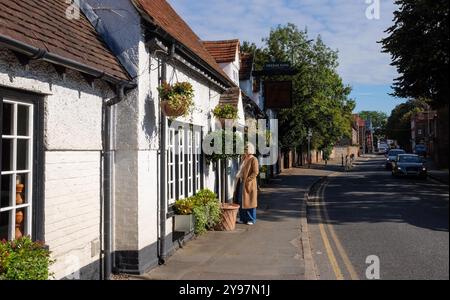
pixel 28 206
pixel 197 161
pixel 171 175
pixel 190 163
pixel 181 165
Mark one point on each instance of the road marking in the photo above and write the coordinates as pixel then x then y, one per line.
pixel 326 243
pixel 349 266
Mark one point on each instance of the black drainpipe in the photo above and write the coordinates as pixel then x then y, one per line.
pixel 162 196
pixel 107 180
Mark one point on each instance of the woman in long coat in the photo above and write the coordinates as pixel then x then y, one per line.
pixel 247 193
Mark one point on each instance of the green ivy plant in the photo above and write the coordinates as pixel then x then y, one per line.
pixel 23 259
pixel 179 96
pixel 225 111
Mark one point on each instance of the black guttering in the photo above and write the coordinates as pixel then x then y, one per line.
pixel 42 54
pixel 187 54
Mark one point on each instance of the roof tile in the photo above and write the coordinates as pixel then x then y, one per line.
pixel 222 51
pixel 43 24
pixel 246 66
pixel 163 15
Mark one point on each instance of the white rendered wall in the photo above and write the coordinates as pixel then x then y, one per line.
pixel 73 144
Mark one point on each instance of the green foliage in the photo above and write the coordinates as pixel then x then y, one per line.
pixel 227 150
pixel 184 206
pixel 226 111
pixel 320 99
pixel 23 259
pixel 398 126
pixel 379 122
pixel 179 96
pixel 327 152
pixel 205 207
pixel 418 43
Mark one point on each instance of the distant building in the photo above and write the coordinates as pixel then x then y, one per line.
pixel 423 130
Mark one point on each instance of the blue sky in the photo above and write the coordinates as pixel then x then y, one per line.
pixel 342 24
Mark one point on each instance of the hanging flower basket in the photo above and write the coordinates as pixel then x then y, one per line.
pixel 176 100
pixel 225 112
pixel 169 111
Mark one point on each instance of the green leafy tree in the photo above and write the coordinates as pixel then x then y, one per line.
pixel 379 121
pixel 320 99
pixel 419 45
pixel 398 126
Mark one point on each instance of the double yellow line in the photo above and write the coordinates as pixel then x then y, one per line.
pixel 326 241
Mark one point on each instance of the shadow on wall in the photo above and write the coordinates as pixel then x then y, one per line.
pixel 149 124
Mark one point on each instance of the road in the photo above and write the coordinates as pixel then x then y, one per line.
pixel 365 212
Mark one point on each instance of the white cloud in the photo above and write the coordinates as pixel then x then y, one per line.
pixel 341 23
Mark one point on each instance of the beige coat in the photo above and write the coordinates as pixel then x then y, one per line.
pixel 250 189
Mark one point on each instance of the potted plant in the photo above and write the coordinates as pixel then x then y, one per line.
pixel 184 219
pixel 176 100
pixel 207 211
pixel 228 151
pixel 225 112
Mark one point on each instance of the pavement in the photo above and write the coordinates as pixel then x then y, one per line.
pixel 366 213
pixel 436 173
pixel 272 249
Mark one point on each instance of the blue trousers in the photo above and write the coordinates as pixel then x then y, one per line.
pixel 245 215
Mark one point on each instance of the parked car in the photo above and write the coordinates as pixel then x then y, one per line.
pixel 382 148
pixel 409 165
pixel 420 150
pixel 392 156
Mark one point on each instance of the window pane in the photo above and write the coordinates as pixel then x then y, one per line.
pixel 6 191
pixel 22 186
pixel 7 150
pixel 4 224
pixel 7 119
pixel 22 154
pixel 22 120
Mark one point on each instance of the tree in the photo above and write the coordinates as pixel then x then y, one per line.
pixel 419 45
pixel 398 126
pixel 379 121
pixel 320 99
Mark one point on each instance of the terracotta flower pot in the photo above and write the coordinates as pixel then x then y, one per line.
pixel 19 190
pixel 19 223
pixel 229 216
pixel 170 112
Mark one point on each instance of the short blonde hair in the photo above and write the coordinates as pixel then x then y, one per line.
pixel 250 148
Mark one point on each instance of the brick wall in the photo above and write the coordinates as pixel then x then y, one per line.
pixel 72 211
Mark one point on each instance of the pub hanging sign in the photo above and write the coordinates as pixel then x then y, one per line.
pixel 278 94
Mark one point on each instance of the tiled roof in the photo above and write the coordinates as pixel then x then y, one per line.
pixel 245 71
pixel 43 24
pixel 222 51
pixel 360 121
pixel 230 96
pixel 164 16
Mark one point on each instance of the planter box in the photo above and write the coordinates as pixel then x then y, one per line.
pixel 184 223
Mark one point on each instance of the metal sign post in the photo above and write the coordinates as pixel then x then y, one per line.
pixel 310 134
